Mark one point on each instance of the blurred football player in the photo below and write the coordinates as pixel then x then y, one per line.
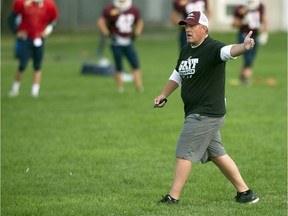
pixel 181 8
pixel 37 20
pixel 250 17
pixel 121 21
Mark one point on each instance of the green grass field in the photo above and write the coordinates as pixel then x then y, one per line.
pixel 81 148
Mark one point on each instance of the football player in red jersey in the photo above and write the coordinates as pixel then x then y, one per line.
pixel 181 8
pixel 247 17
pixel 37 20
pixel 121 21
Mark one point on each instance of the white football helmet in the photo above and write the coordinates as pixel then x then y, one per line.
pixel 123 5
pixel 252 4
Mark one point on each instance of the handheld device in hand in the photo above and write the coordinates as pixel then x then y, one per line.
pixel 161 101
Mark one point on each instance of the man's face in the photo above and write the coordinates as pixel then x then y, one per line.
pixel 195 34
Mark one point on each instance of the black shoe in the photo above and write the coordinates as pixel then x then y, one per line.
pixel 247 197
pixel 168 200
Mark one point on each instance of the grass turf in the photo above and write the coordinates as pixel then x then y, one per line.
pixel 83 149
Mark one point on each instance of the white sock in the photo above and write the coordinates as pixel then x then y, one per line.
pixel 35 90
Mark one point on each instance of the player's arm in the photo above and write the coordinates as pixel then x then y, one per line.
pixel 239 49
pixel 49 29
pixel 208 11
pixel 263 38
pixel 101 23
pixel 139 27
pixel 12 22
pixel 15 13
pixel 237 22
pixel 13 25
pixel 174 17
pixel 53 17
pixel 240 19
pixel 173 83
pixel 264 23
pixel 168 89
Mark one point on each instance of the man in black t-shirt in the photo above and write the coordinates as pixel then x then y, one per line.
pixel 200 71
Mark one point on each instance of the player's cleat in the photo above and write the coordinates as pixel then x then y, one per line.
pixel 167 199
pixel 248 197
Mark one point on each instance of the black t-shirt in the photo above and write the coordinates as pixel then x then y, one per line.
pixel 203 78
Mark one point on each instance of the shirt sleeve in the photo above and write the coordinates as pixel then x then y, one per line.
pixel 225 53
pixel 175 77
pixel 17 7
pixel 54 13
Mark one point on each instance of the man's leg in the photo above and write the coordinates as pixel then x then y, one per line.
pixel 117 52
pixel 132 57
pixel 23 55
pixel 119 81
pixel 230 170
pixel 36 83
pixel 16 84
pixel 182 171
pixel 138 80
pixel 246 74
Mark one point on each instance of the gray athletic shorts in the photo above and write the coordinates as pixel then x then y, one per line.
pixel 200 139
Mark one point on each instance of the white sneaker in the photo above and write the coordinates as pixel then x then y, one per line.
pixel 13 93
pixel 35 90
pixel 15 89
